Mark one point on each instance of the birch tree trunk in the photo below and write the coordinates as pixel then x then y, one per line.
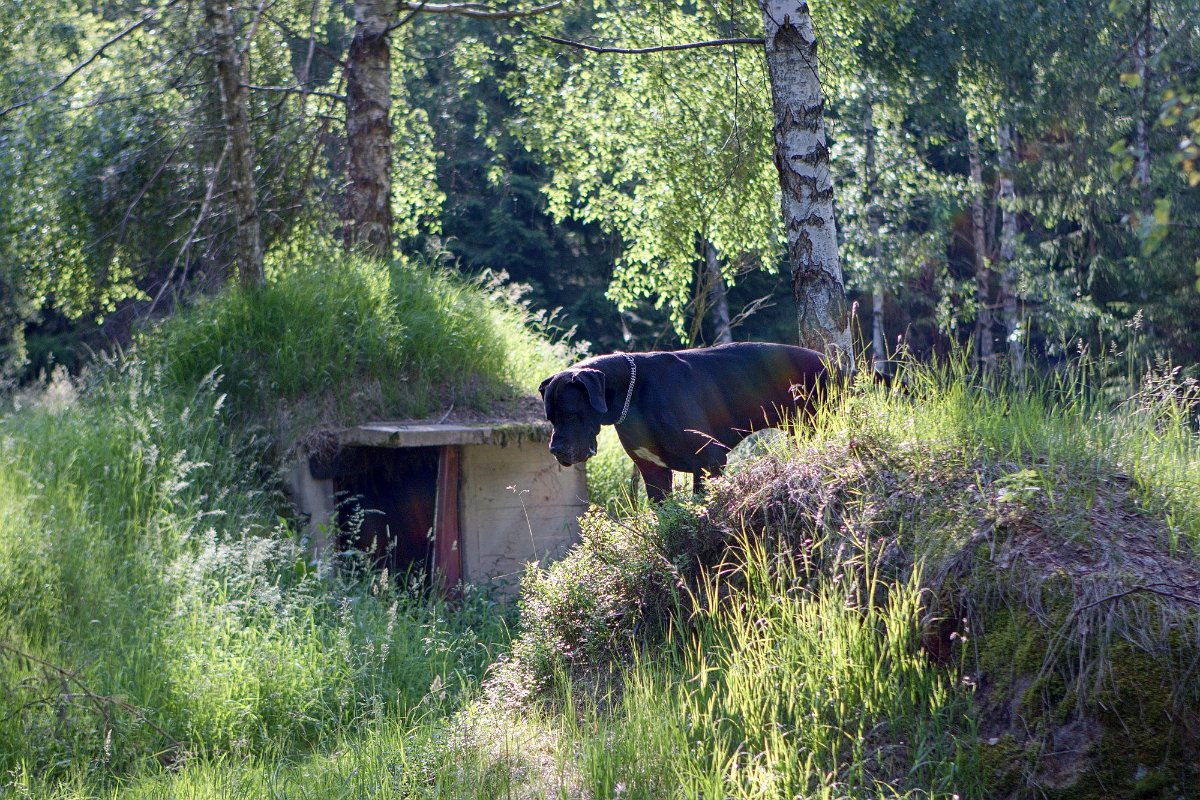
pixel 367 216
pixel 235 110
pixel 874 224
pixel 1006 148
pixel 718 297
pixel 983 315
pixel 802 158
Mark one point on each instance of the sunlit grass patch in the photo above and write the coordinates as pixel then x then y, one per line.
pixel 773 687
pixel 346 339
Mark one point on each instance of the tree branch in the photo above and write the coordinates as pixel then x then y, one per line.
pixel 82 65
pixel 187 243
pixel 1160 589
pixel 475 10
pixel 294 90
pixel 325 51
pixel 633 51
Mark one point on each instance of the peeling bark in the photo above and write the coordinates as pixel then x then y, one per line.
pixel 367 216
pixel 1010 302
pixel 802 158
pixel 984 349
pixel 235 110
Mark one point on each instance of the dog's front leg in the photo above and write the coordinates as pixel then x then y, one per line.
pixel 657 479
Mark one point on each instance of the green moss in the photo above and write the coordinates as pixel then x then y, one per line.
pixel 1002 764
pixel 1139 748
pixel 1144 751
pixel 1012 645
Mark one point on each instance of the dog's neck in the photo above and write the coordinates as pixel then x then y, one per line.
pixel 629 391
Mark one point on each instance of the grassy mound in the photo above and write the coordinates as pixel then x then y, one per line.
pixel 1034 553
pixel 343 340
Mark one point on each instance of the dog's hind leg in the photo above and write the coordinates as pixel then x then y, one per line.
pixel 657 479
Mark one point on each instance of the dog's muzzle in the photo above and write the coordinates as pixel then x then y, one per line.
pixel 567 456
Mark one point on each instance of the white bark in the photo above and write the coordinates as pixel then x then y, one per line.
pixel 368 213
pixel 1141 144
pixel 802 158
pixel 235 110
pixel 984 349
pixel 874 224
pixel 1006 155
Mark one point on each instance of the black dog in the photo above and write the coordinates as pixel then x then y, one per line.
pixel 683 410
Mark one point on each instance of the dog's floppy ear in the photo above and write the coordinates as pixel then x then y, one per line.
pixel 593 382
pixel 542 388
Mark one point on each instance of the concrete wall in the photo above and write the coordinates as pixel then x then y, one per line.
pixel 516 504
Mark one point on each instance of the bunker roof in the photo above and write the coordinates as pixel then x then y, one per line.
pixel 425 434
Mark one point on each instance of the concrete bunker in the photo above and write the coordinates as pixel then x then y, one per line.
pixel 457 502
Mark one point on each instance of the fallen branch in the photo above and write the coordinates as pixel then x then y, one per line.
pixel 101 701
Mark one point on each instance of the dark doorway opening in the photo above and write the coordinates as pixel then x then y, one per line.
pixel 387 502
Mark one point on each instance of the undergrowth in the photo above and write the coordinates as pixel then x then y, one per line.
pixel 898 601
pixel 157 610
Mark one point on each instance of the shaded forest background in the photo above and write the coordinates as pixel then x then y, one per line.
pixel 1017 176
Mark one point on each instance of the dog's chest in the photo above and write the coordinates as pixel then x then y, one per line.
pixel 646 454
pixel 644 447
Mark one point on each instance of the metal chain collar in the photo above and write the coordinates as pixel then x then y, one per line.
pixel 629 393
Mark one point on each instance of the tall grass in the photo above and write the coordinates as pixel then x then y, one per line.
pixel 779 689
pixel 1061 432
pixel 345 339
pixel 155 609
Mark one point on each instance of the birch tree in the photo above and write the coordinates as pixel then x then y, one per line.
pixel 798 151
pixel 367 216
pixel 1007 200
pixel 806 188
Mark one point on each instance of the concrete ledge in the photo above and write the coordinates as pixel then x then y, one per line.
pixel 399 434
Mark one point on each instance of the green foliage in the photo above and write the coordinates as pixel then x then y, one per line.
pixel 666 151
pixel 342 339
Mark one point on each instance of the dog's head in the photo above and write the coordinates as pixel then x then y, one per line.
pixel 575 406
